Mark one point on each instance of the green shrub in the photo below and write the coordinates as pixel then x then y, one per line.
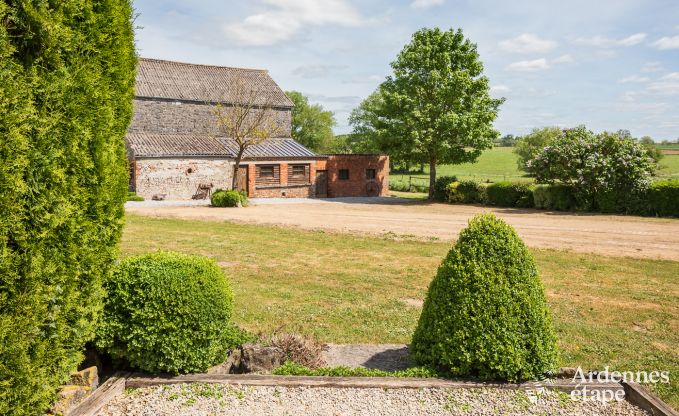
pixel 485 314
pixel 167 312
pixel 441 187
pixel 131 196
pixel 508 194
pixel 663 198
pixel 222 198
pixel 605 167
pixel 470 192
pixel 67 72
pixel 557 197
pixel 453 195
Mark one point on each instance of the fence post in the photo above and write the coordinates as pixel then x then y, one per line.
pixel 410 183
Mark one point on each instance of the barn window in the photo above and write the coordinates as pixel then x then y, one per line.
pixel 344 174
pixel 298 171
pixel 266 171
pixel 370 174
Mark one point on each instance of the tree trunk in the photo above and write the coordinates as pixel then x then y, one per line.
pixel 239 157
pixel 432 177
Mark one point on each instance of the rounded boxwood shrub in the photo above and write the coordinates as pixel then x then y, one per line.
pixel 222 198
pixel 485 314
pixel 167 312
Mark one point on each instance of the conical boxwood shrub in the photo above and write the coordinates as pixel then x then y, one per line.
pixel 485 314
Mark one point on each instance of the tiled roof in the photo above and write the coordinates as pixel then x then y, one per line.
pixel 204 83
pixel 163 144
pixel 176 145
pixel 270 148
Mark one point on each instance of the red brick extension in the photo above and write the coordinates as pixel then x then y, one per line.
pixel 357 185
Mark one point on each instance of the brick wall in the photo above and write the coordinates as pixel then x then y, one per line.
pixel 161 116
pixel 179 178
pixel 358 184
pixel 282 188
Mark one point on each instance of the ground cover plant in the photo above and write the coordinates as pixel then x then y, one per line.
pixel 67 73
pixel 620 312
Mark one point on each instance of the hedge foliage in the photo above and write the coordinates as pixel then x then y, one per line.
pixel 508 194
pixel 659 199
pixel 441 187
pixel 66 86
pixel 663 198
pixel 485 314
pixel 167 312
pixel 221 198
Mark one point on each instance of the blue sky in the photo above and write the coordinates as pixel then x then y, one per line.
pixel 609 64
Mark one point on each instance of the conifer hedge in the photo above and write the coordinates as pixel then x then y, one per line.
pixel 66 86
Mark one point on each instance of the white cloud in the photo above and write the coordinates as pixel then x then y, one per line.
pixel 633 79
pixel 652 67
pixel 316 71
pixel 563 59
pixel 666 85
pixel 527 43
pixel 499 89
pixel 425 4
pixel 667 42
pixel 606 42
pixel 284 18
pixel 529 66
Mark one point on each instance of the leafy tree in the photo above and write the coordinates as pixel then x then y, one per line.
pixel 436 108
pixel 531 144
pixel 67 73
pixel 311 124
pixel 508 140
pixel 651 147
pixel 248 122
pixel 594 165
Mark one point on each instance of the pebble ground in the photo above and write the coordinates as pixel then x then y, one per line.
pixel 212 399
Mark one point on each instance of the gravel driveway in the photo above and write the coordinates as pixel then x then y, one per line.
pixel 610 235
pixel 204 399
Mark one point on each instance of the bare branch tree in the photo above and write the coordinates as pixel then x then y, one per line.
pixel 248 120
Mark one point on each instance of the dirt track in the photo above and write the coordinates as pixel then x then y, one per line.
pixel 601 234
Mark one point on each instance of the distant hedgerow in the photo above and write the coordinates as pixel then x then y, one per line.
pixel 67 72
pixel 485 314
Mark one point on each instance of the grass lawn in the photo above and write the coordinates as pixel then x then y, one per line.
pixel 350 289
pixel 499 164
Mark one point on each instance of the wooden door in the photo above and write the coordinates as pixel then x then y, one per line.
pixel 321 183
pixel 242 179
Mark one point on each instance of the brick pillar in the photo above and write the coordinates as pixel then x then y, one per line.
pixel 284 173
pixel 252 175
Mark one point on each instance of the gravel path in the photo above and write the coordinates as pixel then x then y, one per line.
pixel 204 399
pixel 611 235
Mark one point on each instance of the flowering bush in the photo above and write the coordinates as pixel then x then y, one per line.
pixel 594 165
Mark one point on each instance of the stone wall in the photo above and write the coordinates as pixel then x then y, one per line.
pixel 179 178
pixel 160 116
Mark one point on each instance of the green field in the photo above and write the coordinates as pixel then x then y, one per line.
pixel 499 164
pixel 341 288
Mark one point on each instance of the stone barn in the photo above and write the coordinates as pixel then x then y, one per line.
pixel 176 152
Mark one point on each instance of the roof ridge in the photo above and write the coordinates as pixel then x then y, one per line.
pixel 202 65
